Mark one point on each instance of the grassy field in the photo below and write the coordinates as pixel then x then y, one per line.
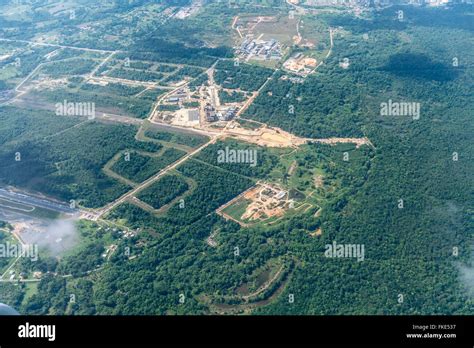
pixel 237 209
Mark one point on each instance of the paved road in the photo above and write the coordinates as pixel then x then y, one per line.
pixel 146 183
pixel 61 46
pixel 36 201
pixel 31 102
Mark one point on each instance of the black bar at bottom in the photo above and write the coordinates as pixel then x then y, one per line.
pixel 225 330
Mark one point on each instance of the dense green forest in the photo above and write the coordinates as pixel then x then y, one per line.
pixel 164 191
pixel 265 160
pixel 232 97
pixel 69 67
pixel 138 167
pixel 215 187
pixel 407 198
pixel 188 139
pixel 113 88
pixel 135 75
pixel 64 166
pixel 187 71
pixel 165 68
pixel 235 75
pixel 137 107
pixel 409 250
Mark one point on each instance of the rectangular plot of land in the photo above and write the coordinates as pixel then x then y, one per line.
pixel 164 191
pixel 139 167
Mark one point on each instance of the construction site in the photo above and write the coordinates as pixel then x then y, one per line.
pixel 259 203
pixel 300 65
pixel 195 108
pixel 264 136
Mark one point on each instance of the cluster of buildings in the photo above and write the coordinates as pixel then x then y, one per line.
pixel 109 250
pixel 260 49
pixel 182 116
pixel 269 192
pixel 267 201
pixel 299 64
pixel 121 233
pixel 292 79
pixel 221 114
pixel 178 96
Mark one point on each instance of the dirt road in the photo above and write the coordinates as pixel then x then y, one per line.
pixel 151 180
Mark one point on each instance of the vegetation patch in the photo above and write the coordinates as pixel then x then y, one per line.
pixel 164 191
pixel 138 167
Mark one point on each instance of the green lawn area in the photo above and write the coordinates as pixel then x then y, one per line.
pixel 237 209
